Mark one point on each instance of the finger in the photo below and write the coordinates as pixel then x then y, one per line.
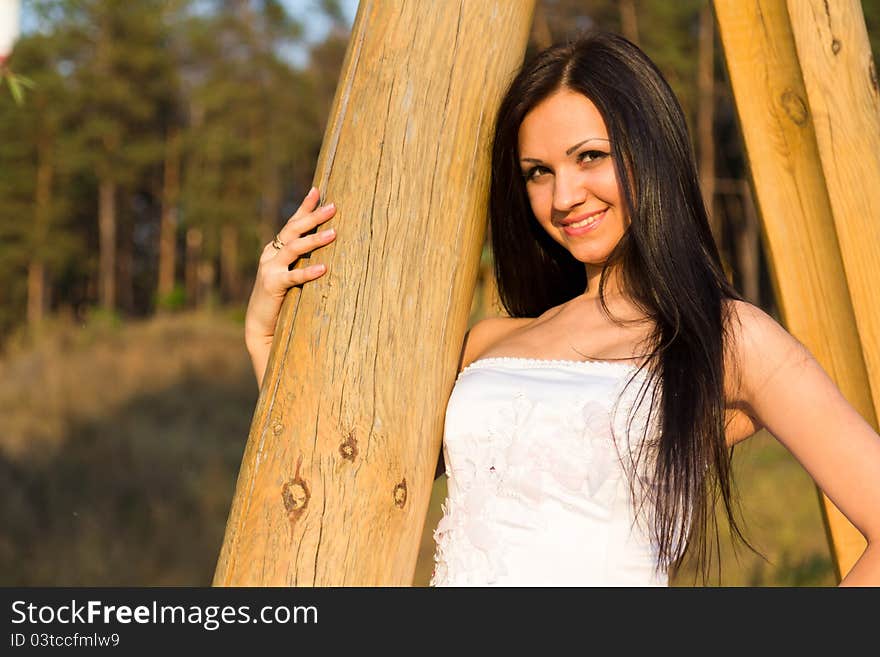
pixel 302 275
pixel 303 246
pixel 309 203
pixel 306 222
pixel 268 254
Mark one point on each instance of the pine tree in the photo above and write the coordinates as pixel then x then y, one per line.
pixel 120 86
pixel 36 241
pixel 241 138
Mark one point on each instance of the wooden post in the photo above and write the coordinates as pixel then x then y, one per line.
pixel 793 201
pixel 337 473
pixel 844 99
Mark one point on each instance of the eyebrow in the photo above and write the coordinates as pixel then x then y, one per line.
pixel 570 150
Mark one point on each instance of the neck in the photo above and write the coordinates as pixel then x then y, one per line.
pixel 612 282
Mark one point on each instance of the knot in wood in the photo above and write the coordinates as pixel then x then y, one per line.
pixel 400 494
pixel 794 107
pixel 836 46
pixel 348 448
pixel 295 495
pixel 277 428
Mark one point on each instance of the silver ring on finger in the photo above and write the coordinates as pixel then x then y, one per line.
pixel 276 242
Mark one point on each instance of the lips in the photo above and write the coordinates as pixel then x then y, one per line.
pixel 588 215
pixel 592 222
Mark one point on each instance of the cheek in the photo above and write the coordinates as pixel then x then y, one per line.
pixel 606 185
pixel 539 199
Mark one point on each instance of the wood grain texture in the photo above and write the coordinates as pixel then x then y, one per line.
pixel 844 99
pixel 336 478
pixel 793 201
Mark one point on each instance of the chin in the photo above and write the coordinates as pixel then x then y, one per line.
pixel 591 257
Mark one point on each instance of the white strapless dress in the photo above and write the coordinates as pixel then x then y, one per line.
pixel 538 490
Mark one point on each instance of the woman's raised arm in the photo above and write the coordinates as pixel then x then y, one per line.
pixel 794 398
pixel 274 276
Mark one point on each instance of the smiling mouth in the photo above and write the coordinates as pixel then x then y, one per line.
pixel 583 220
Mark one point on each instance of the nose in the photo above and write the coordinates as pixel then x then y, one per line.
pixel 569 191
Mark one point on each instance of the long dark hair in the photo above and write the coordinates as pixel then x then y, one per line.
pixel 668 261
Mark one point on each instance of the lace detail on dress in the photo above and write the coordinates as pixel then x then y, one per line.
pixel 508 460
pixel 612 367
pixel 465 544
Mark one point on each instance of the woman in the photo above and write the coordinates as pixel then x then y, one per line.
pixel 588 433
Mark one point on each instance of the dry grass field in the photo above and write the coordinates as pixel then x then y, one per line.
pixel 120 446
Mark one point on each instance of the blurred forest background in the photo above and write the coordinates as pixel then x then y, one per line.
pixel 162 144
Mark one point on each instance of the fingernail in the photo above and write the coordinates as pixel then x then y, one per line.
pixel 316 268
pixel 330 206
pixel 312 191
pixel 328 232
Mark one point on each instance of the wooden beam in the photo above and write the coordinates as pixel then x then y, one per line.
pixel 337 473
pixel 844 100
pixel 793 201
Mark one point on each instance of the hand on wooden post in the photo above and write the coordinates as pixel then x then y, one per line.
pixel 275 275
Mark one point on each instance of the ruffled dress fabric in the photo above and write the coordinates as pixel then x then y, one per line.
pixel 540 457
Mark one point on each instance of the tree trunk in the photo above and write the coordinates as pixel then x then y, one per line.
pixel 339 464
pixel 229 262
pixel 107 243
pixel 629 24
pixel 207 281
pixel 749 246
pixel 168 228
pixel 193 257
pixel 36 304
pixel 125 266
pixel 706 117
pixel 36 287
pixel 791 194
pixel 270 208
pixel 541 35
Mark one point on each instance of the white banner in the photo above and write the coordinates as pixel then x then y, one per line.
pixel 9 26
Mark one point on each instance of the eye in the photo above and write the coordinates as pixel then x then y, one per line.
pixel 591 156
pixel 534 173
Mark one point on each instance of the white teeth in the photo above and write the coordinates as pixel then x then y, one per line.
pixel 587 222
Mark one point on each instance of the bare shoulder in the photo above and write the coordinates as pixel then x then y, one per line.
pixel 760 346
pixel 486 333
pixel 787 391
pixel 752 329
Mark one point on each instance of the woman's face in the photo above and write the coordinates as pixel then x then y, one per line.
pixel 565 158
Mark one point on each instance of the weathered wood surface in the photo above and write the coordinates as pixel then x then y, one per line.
pixel 793 201
pixel 337 473
pixel 844 99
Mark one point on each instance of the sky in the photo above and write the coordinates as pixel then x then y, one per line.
pixel 314 24
pixel 306 11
